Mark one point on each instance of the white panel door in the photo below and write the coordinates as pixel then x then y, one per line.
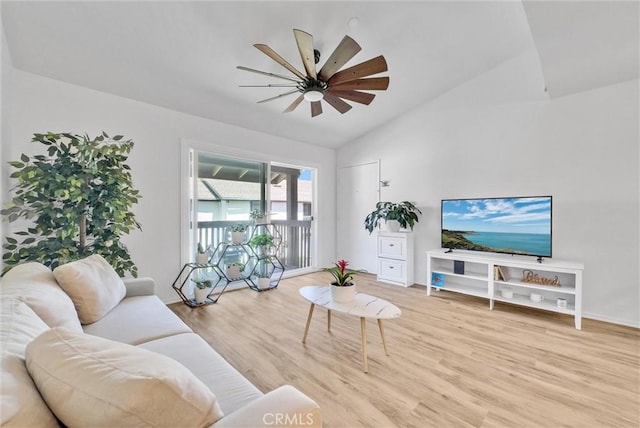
pixel 358 193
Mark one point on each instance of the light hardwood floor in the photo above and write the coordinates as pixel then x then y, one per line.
pixel 452 363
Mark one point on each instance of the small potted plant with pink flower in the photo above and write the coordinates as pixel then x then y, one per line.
pixel 343 289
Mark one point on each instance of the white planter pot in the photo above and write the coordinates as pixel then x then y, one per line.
pixel 264 250
pixel 341 294
pixel 391 226
pixel 262 220
pixel 233 272
pixel 264 283
pixel 201 294
pixel 202 259
pixel 237 237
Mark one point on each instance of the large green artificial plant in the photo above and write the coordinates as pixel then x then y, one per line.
pixel 77 202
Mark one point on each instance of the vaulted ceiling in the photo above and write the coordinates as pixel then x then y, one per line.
pixel 183 55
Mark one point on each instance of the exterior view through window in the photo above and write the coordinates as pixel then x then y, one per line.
pixel 227 190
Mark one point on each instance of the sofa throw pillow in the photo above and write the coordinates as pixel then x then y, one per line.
pixel 20 402
pixel 91 381
pixel 93 285
pixel 35 285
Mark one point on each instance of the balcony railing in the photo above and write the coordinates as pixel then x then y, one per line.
pixel 294 252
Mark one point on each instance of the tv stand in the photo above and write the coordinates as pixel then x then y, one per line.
pixel 481 278
pixel 450 250
pixel 539 259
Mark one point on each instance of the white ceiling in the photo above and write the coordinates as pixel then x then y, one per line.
pixel 182 55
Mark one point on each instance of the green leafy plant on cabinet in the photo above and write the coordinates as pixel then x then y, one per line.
pixel 77 199
pixel 405 213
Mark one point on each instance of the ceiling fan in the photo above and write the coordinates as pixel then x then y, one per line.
pixel 330 83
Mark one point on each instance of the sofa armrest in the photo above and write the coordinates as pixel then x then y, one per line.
pixel 139 286
pixel 282 407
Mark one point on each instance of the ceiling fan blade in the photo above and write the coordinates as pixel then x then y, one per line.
pixel 270 85
pixel 267 73
pixel 316 108
pixel 373 66
pixel 340 56
pixel 294 104
pixel 337 103
pixel 278 96
pixel 305 46
pixel 359 97
pixel 373 83
pixel 277 58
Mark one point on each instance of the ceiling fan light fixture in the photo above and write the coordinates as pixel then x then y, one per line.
pixel 312 95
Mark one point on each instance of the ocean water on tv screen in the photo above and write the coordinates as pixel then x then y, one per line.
pixel 530 243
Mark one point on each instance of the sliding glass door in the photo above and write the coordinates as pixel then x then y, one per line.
pixel 291 209
pixel 226 190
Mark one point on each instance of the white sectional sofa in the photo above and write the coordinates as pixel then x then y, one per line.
pixel 58 370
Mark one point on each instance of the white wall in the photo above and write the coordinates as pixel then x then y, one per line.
pixel 5 103
pixel 40 104
pixel 581 149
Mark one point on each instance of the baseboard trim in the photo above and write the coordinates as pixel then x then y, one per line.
pixel 611 320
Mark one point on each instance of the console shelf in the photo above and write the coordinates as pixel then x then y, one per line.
pixel 565 289
pixel 477 277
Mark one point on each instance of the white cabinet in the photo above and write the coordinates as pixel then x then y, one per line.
pixel 395 258
pixel 517 280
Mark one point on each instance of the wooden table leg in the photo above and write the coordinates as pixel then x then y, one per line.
pixel 364 345
pixel 306 329
pixel 384 343
pixel 329 320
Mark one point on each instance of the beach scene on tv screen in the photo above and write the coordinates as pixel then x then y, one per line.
pixel 509 225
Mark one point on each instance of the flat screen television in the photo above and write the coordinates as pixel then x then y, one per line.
pixel 519 225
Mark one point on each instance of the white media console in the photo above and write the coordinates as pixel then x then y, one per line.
pixel 479 275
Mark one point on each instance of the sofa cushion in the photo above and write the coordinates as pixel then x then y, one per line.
pixel 34 284
pixel 93 285
pixel 285 406
pixel 20 402
pixel 232 390
pixel 91 381
pixel 136 320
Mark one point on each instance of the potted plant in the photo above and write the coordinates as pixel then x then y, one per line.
pixel 343 289
pixel 264 280
pixel 202 289
pixel 263 242
pixel 258 216
pixel 264 273
pixel 202 258
pixel 395 215
pixel 234 270
pixel 76 199
pixel 237 233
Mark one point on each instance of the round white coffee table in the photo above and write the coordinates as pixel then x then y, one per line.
pixel 362 306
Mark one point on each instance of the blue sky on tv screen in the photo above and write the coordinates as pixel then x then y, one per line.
pixel 508 215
